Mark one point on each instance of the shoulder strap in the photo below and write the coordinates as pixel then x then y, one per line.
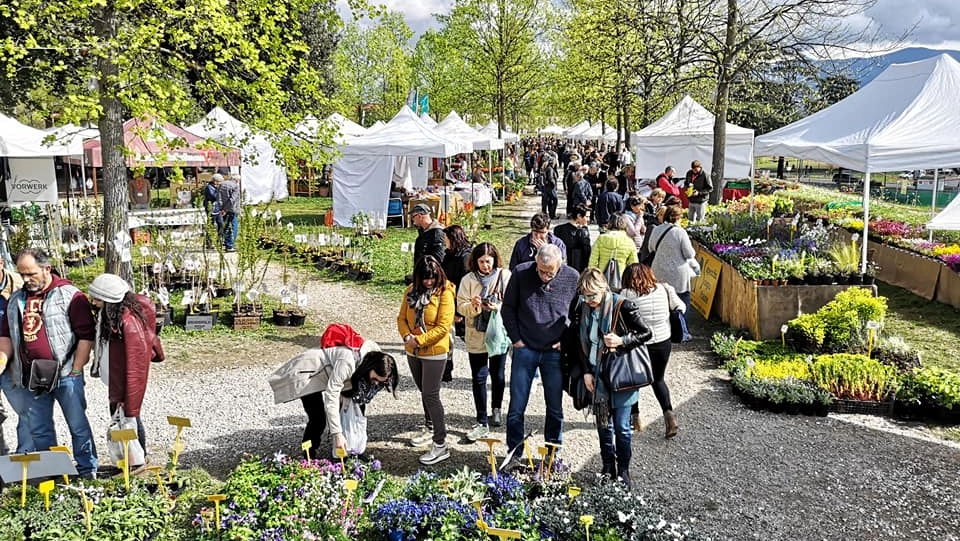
pixel 616 315
pixel 657 247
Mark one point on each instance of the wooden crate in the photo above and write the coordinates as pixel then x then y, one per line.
pixel 246 322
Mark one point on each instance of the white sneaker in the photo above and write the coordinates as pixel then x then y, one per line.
pixel 438 453
pixel 478 431
pixel 422 439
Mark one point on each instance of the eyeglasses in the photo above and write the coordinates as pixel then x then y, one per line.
pixel 591 298
pixel 547 274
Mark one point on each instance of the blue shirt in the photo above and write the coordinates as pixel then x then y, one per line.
pixel 535 312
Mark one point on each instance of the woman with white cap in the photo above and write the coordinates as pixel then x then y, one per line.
pixel 125 345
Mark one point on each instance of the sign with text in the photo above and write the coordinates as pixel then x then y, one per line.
pixel 704 287
pixel 31 179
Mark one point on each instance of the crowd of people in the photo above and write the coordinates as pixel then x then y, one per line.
pixel 49 332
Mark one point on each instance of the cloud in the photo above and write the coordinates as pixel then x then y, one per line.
pixel 930 22
pixel 418 13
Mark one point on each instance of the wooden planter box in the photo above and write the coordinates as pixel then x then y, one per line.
pixel 246 322
pixel 744 304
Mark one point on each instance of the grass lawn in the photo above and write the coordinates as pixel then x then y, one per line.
pixel 931 327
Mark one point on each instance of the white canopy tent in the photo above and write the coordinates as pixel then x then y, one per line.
pixel 345 126
pixel 553 129
pixel 30 159
pixel 684 134
pixel 576 128
pixel 454 127
pixel 596 132
pixel 948 219
pixel 361 177
pixel 262 179
pixel 490 130
pixel 428 120
pixel 906 118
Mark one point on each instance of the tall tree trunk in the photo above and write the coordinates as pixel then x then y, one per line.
pixel 114 183
pixel 626 125
pixel 721 104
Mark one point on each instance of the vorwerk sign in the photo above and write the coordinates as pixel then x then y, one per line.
pixel 32 179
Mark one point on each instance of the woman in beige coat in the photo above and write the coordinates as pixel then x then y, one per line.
pixel 479 296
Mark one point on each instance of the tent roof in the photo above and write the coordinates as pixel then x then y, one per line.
pixel 577 128
pixel 906 118
pixel 688 118
pixel 345 126
pixel 218 123
pixel 143 148
pixel 947 219
pixel 593 132
pixel 428 120
pixel 553 129
pixel 490 130
pixel 21 141
pixel 404 135
pixel 454 127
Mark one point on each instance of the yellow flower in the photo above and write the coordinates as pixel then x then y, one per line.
pixel 946 250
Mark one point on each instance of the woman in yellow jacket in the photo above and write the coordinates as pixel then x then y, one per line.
pixel 614 244
pixel 426 315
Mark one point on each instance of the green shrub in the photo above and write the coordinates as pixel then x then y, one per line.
pixel 780 368
pixel 806 333
pixel 930 386
pixel 725 345
pixel 854 377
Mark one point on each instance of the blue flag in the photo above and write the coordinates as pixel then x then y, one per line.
pixel 424 105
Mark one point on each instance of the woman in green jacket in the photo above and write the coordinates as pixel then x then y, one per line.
pixel 614 244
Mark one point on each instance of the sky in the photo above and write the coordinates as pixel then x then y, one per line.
pixel 937 21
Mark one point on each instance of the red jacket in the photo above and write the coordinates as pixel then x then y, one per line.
pixel 667 185
pixel 131 355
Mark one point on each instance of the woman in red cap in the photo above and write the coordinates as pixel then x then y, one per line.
pixel 344 366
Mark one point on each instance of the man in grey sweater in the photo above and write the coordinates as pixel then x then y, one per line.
pixel 535 308
pixel 228 195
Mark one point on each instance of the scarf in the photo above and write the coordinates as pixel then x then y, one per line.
pixel 594 323
pixel 486 282
pixel 418 302
pixel 364 391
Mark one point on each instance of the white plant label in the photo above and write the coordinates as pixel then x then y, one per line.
pixel 278 214
pixel 873 325
pixel 783 329
pixel 163 296
pixel 171 267
pixel 187 298
pixel 144 251
pixel 157 268
pixel 366 230
pixel 346 242
pixel 322 239
pixel 203 298
pixel 301 300
pixel 211 275
pixel 253 295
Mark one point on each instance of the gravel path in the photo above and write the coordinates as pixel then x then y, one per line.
pixel 740 474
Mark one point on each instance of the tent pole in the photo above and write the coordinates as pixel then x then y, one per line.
pixel 866 221
pixel 933 200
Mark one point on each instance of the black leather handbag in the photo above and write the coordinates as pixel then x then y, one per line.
pixel 44 375
pixel 625 369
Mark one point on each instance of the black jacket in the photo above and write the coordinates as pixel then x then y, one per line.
pixel 577 240
pixel 430 242
pixel 630 327
pixel 701 183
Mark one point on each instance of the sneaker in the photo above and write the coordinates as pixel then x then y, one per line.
pixel 422 439
pixel 478 431
pixel 438 453
pixel 497 417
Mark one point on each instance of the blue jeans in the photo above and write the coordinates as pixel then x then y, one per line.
pixel 685 297
pixel 69 394
pixel 526 361
pixel 615 439
pixel 20 400
pixel 231 226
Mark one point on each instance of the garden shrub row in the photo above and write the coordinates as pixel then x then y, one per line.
pixel 280 498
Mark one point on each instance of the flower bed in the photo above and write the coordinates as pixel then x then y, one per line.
pixel 281 498
pixel 830 360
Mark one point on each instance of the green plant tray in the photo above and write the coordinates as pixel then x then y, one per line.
pixel 863 407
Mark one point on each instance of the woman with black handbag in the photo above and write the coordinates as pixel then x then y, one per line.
pixel 655 300
pixel 611 328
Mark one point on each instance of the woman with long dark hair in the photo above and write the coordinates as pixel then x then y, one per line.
pixel 426 316
pixel 595 314
pixel 655 301
pixel 479 296
pixel 126 342
pixel 344 366
pixel 455 266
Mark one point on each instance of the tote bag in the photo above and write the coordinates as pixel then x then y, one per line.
pixel 120 421
pixel 625 369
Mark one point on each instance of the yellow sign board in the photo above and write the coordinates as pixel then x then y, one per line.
pixel 704 287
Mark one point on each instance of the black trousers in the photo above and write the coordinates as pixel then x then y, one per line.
pixel 316 419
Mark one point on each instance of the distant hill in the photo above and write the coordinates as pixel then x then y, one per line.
pixel 865 69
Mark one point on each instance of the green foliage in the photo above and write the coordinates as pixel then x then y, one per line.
pixel 806 332
pixel 854 377
pixel 777 368
pixel 930 386
pixel 839 324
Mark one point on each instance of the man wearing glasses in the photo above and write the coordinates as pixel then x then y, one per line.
pixel 535 307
